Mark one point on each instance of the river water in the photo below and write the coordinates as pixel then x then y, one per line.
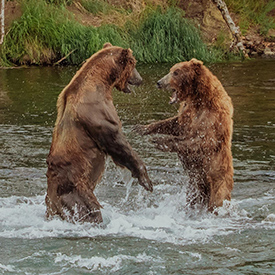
pixel 142 233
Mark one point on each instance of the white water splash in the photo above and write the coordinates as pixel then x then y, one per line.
pixel 113 263
pixel 127 178
pixel 152 218
pixel 6 268
pixel 270 218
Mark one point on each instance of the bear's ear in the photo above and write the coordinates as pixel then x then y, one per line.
pixel 107 45
pixel 196 61
pixel 197 65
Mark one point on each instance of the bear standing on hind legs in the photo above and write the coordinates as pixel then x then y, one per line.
pixel 200 134
pixel 87 129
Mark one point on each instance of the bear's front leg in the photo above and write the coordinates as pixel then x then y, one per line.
pixel 107 134
pixel 115 144
pixel 168 126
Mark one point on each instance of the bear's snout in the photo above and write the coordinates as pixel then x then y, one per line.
pixel 135 78
pixel 159 84
pixel 164 82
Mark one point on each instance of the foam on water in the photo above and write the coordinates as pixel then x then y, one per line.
pixel 113 263
pixel 162 220
pixel 94 263
pixel 6 268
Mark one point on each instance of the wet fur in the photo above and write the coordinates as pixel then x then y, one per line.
pixel 200 134
pixel 87 129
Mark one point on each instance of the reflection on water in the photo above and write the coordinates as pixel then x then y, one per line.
pixel 28 96
pixel 142 233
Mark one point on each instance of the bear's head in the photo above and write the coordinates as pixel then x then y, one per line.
pixel 119 67
pixel 182 79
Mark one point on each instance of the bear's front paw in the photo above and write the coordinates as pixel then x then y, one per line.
pixel 147 184
pixel 144 180
pixel 140 129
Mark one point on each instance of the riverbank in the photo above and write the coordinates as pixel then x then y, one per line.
pixel 64 32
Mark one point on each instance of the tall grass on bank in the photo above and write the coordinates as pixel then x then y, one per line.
pixel 45 33
pixel 48 32
pixel 97 6
pixel 165 36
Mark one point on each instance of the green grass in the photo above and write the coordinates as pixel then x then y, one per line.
pixel 97 6
pixel 254 13
pixel 165 36
pixel 60 2
pixel 47 32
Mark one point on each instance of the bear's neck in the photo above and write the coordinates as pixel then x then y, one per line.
pixel 206 93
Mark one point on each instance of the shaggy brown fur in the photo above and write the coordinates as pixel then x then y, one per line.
pixel 201 132
pixel 88 129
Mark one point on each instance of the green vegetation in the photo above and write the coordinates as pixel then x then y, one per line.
pixel 97 6
pixel 254 13
pixel 47 32
pixel 156 31
pixel 168 37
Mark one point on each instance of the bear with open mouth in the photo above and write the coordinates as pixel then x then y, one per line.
pixel 87 129
pixel 200 133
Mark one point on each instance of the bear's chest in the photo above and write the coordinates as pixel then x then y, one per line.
pixel 195 122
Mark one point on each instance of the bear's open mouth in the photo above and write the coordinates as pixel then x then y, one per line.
pixel 174 97
pixel 128 88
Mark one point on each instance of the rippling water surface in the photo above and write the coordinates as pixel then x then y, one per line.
pixel 142 233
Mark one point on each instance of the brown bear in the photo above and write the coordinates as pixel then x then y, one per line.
pixel 87 129
pixel 200 133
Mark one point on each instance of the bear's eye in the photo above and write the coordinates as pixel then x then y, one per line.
pixel 175 73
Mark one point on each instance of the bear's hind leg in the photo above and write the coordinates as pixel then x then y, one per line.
pixel 77 208
pixel 197 195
